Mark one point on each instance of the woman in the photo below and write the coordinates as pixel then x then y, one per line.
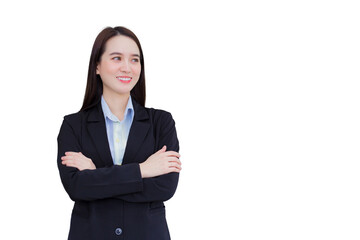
pixel 118 160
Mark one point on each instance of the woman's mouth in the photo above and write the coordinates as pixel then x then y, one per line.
pixel 124 79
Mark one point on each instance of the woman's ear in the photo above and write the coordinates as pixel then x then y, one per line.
pixel 97 69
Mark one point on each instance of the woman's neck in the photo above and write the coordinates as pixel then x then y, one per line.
pixel 117 103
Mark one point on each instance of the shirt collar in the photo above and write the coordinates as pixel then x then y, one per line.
pixel 108 114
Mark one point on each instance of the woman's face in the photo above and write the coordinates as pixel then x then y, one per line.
pixel 119 66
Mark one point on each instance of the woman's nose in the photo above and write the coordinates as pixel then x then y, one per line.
pixel 125 67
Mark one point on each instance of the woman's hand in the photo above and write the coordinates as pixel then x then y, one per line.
pixel 160 163
pixel 77 160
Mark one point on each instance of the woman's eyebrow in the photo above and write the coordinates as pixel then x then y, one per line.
pixel 118 53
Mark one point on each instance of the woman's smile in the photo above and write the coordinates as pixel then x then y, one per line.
pixel 124 79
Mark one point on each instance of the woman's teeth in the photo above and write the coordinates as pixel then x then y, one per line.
pixel 124 79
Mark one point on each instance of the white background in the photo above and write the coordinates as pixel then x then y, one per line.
pixel 265 95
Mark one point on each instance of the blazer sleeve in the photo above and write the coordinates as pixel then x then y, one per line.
pixel 95 184
pixel 163 187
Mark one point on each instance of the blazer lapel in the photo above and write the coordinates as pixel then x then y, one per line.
pixel 138 131
pixel 97 130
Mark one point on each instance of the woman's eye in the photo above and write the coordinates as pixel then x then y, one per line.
pixel 117 58
pixel 135 60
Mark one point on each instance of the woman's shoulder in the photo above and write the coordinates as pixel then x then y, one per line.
pixel 77 117
pixel 91 113
pixel 160 116
pixel 73 116
pixel 158 113
pixel 73 120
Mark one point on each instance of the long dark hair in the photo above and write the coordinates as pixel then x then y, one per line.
pixel 94 86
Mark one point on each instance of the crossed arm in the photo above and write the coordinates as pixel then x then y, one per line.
pixel 160 163
pixel 153 180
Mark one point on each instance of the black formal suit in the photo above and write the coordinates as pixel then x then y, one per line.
pixel 114 202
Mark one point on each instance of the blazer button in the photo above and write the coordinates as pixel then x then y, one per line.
pixel 118 231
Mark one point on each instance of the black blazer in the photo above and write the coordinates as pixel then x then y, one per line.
pixel 114 202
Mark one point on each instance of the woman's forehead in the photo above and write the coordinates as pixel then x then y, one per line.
pixel 122 44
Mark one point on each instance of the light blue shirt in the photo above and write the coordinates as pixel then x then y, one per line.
pixel 117 131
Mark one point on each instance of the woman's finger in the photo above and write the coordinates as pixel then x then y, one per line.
pixel 174 159
pixel 71 153
pixel 163 149
pixel 175 169
pixel 69 163
pixel 174 165
pixel 172 153
pixel 67 158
